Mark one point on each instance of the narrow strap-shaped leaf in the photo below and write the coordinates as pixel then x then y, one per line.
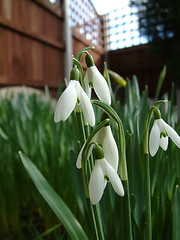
pixel 176 214
pixel 59 207
pixel 160 81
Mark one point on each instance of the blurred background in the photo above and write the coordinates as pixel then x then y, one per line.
pixel 38 38
pixel 37 41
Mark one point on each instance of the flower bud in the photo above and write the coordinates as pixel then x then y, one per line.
pixel 74 75
pixel 98 152
pixel 117 78
pixel 89 60
pixel 156 113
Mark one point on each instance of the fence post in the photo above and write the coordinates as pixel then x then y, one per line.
pixel 67 40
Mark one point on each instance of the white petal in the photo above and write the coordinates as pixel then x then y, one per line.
pixel 86 105
pixel 100 85
pixel 154 139
pixel 66 103
pixel 164 143
pixel 106 139
pixel 97 183
pixel 114 179
pixel 110 149
pixel 160 124
pixel 79 158
pixel 86 82
pixel 171 133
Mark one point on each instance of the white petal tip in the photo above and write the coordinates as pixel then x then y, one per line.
pixel 92 124
pixel 78 165
pixel 94 202
pixel 122 193
pixel 56 120
pixel 152 153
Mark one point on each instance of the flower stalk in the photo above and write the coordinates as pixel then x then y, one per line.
pixel 148 197
pixel 86 171
pixel 147 169
pixel 123 165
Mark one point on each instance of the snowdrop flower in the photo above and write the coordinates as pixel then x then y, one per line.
pixel 94 78
pixel 101 174
pixel 159 134
pixel 72 95
pixel 104 138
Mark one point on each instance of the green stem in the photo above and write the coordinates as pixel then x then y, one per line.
pixel 94 221
pixel 128 210
pixel 147 175
pixel 147 124
pixel 78 64
pixel 100 226
pixel 95 209
pixel 86 171
pixel 148 198
pixel 84 50
pixel 123 166
pixel 88 141
pixel 124 176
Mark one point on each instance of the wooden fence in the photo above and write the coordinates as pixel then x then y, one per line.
pixel 139 61
pixel 32 44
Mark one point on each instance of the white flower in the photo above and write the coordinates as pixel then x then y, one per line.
pixel 95 78
pixel 72 95
pixel 88 88
pixel 159 136
pixel 101 174
pixel 104 138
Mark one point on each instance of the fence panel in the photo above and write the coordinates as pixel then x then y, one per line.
pixel 31 43
pixel 87 29
pixel 86 21
pixel 137 60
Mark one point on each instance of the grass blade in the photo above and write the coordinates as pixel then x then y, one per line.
pixel 54 201
pixel 160 82
pixel 176 214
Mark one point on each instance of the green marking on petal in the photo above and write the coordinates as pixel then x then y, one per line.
pixel 106 177
pixel 163 134
pixel 98 152
pixel 90 84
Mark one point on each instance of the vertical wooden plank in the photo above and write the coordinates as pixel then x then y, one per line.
pixel 36 18
pixel 26 57
pixel 6 9
pixel 5 56
pixel 37 59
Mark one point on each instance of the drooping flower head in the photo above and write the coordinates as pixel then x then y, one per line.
pixel 159 134
pixel 93 78
pixel 102 173
pixel 72 95
pixel 104 137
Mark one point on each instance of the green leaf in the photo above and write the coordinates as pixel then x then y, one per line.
pixel 59 207
pixel 176 214
pixel 3 134
pixel 48 231
pixel 160 81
